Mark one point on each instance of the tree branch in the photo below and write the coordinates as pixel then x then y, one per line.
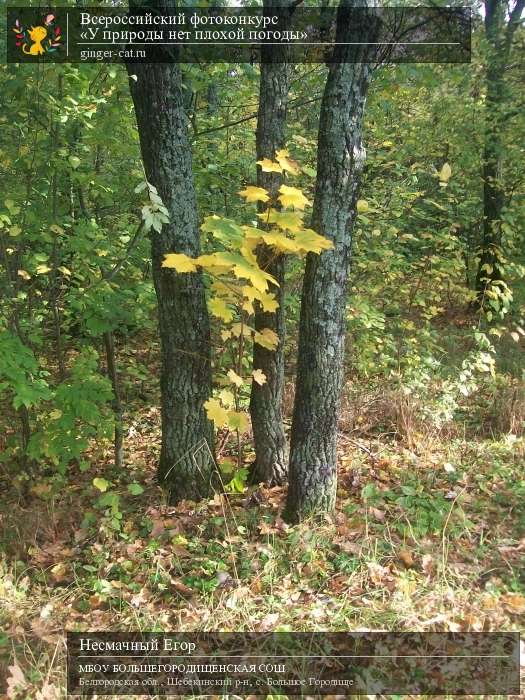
pixel 252 116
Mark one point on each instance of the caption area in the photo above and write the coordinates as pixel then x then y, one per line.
pixel 293 663
pixel 239 34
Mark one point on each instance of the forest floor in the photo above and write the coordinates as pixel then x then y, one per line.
pixel 428 535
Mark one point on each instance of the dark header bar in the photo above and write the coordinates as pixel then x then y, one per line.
pixel 153 34
pixel 300 663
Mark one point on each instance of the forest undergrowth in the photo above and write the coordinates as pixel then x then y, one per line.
pixel 427 535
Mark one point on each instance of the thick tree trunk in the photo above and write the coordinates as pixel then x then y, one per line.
pixel 266 401
pixel 340 159
pixel 186 464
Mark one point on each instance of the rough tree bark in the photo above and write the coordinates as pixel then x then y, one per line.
pixel 266 401
pixel 499 33
pixel 185 465
pixel 340 159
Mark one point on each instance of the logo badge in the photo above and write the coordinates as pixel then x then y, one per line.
pixel 39 39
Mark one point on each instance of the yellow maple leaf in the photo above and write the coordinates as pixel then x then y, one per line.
pixel 229 292
pixel 286 220
pixel 226 397
pixel 243 266
pixel 247 250
pixel 255 194
pixel 259 376
pixel 213 263
pixel 247 305
pixel 251 233
pixel 238 329
pixel 249 270
pixel 238 421
pixel 311 242
pixel 280 242
pixel 269 166
pixel 250 292
pixel 290 166
pixel 269 302
pixel 234 378
pixel 267 338
pixel 219 309
pixel 179 262
pixel 292 197
pixel 216 412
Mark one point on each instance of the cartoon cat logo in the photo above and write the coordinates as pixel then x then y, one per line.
pixel 36 41
pixel 36 34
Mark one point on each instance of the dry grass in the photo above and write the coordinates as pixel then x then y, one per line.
pixel 448 558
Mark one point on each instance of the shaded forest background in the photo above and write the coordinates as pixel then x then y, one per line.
pixel 428 523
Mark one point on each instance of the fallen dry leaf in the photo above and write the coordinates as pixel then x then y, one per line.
pixel 377 514
pixel 427 564
pixel 158 528
pixel 59 572
pixel 237 595
pixel 513 603
pixel 48 692
pixel 268 623
pixel 406 557
pixel 182 588
pixel 140 598
pixel 45 630
pixel 16 681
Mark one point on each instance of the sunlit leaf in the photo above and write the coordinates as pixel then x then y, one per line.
pixel 311 242
pixel 286 220
pixel 219 308
pixel 259 376
pixel 225 230
pixel 255 194
pixel 286 163
pixel 238 421
pixel 101 484
pixel 292 197
pixel 179 262
pixel 269 166
pixel 216 413
pixel 234 378
pixel 266 338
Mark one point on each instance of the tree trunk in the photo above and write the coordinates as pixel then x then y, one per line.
pixel 489 269
pixel 186 463
pixel 266 400
pixel 499 34
pixel 340 159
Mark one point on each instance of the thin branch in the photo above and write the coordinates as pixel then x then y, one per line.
pixel 253 116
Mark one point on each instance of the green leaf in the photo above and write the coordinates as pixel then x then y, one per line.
pixel 225 230
pixel 135 489
pixel 101 484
